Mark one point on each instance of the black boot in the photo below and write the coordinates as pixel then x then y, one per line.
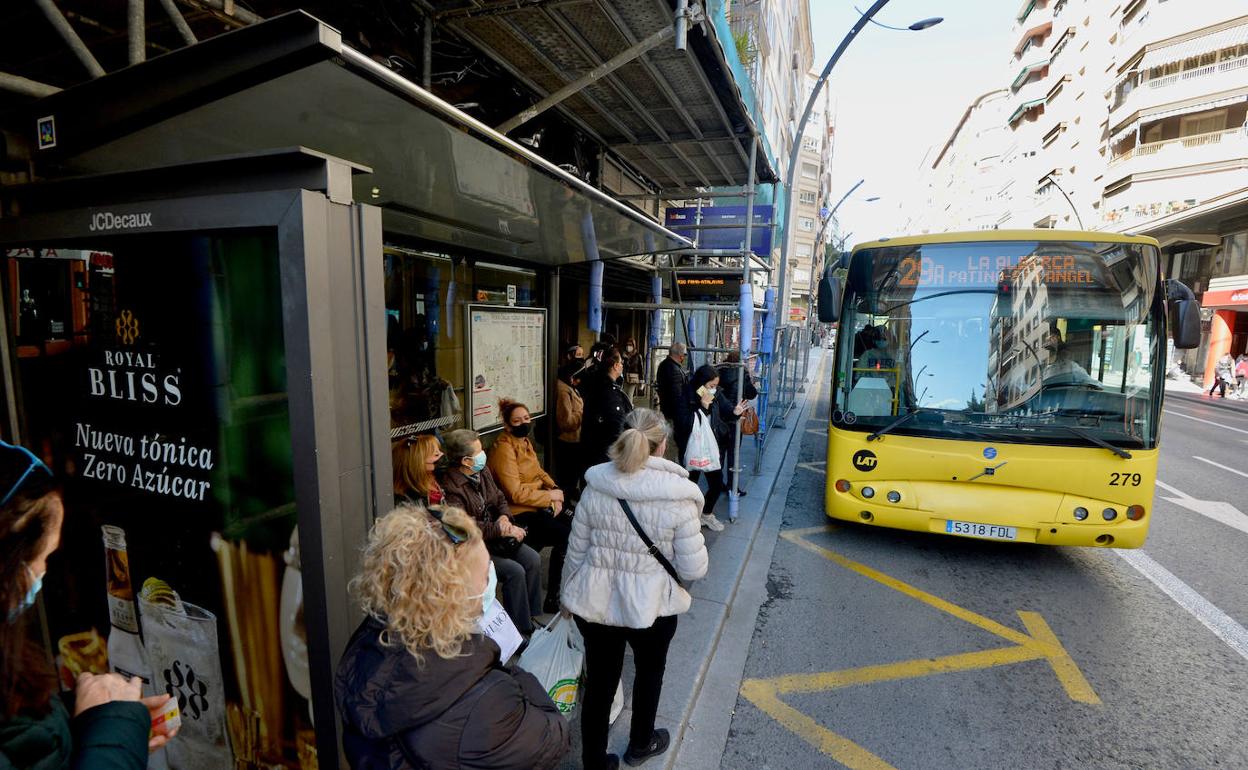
pixel 658 744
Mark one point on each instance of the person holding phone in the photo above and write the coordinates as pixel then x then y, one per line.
pixel 107 724
pixel 721 413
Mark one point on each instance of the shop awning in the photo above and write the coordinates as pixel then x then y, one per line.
pixel 1027 70
pixel 677 116
pixel 1023 109
pixel 1168 53
pixel 1187 107
pixel 439 175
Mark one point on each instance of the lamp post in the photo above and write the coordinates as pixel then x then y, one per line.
pixel 794 153
pixel 1053 181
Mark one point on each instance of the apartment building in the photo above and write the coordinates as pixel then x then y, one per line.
pixel 1127 116
pixel 811 199
pixel 961 187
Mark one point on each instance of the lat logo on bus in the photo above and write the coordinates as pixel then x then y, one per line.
pixel 865 460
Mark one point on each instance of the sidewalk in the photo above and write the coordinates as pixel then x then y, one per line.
pixel 702 630
pixel 1186 390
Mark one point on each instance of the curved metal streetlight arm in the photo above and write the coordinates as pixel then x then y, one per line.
pixel 1078 218
pixel 783 304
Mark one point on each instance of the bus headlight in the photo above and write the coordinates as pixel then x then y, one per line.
pixel 1135 512
pixel 1110 514
pixel 843 486
pixel 1081 513
pixel 894 496
pixel 868 492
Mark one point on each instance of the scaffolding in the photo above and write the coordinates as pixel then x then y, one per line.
pixel 780 368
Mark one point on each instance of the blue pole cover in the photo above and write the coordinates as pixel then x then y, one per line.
pixel 747 318
pixel 595 297
pixel 656 317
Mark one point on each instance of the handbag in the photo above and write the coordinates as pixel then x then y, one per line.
pixel 650 546
pixel 749 422
pixel 503 547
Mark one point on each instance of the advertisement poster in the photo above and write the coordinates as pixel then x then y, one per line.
pixel 165 415
pixel 725 227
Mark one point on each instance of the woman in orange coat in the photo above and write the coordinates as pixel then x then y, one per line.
pixel 536 502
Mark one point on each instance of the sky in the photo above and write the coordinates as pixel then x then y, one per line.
pixel 896 95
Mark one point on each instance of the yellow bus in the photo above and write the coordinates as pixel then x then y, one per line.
pixel 1003 385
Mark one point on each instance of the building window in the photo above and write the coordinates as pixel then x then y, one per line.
pixel 1234 257
pixel 810 143
pixel 804 250
pixel 801 276
pixel 807 197
pixel 810 171
pixel 806 223
pixel 1207 123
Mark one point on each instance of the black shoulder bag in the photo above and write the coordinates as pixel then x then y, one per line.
pixel 650 546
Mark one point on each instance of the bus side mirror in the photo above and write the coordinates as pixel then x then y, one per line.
pixel 1184 315
pixel 830 291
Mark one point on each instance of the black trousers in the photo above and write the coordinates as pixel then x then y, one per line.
pixel 547 531
pixel 1218 382
pixel 604 660
pixel 520 578
pixel 715 486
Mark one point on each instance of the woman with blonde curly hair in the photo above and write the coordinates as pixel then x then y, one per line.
pixel 419 686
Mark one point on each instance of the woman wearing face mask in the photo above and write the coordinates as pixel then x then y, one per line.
pixel 633 366
pixel 111 722
pixel 704 398
pixel 469 484
pixel 419 686
pixel 606 406
pixel 536 502
pixel 415 461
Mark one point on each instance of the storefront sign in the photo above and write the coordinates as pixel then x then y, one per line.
pixel 1224 297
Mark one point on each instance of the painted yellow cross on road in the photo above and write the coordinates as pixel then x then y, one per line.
pixel 1039 643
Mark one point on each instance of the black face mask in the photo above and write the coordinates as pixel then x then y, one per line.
pixel 521 430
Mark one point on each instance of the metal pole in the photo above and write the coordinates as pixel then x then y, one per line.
pixel 1078 218
pixel 797 148
pixel 426 53
pixel 67 33
pixel 734 475
pixel 179 22
pixel 682 24
pixel 19 85
pixel 136 30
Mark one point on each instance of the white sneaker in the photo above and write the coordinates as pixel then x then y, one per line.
pixel 710 522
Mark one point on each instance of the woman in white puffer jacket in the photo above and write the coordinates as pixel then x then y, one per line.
pixel 619 591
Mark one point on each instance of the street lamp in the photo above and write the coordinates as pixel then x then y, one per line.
pixel 1053 181
pixel 863 19
pixel 915 27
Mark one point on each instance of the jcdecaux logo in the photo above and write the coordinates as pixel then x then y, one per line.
pixel 106 220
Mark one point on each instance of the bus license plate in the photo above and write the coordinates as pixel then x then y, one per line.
pixel 971 529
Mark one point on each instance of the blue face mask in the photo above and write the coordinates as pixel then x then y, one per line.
pixel 36 585
pixel 491 588
pixel 478 462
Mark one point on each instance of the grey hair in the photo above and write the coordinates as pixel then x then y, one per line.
pixel 678 349
pixel 458 444
pixel 645 430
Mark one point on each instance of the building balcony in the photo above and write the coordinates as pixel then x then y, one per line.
pixel 1194 150
pixel 1180 86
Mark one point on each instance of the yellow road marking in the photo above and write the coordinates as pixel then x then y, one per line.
pixel 1040 643
pixel 1068 673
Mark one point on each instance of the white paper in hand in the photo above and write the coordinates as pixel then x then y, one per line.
pixel 498 626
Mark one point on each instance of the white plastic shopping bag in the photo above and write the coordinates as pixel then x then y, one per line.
pixel 556 655
pixel 702 454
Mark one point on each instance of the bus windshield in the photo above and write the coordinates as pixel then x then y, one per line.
pixel 1014 341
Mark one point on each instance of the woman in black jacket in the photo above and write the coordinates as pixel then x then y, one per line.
pixel 704 396
pixel 419 686
pixel 110 724
pixel 606 406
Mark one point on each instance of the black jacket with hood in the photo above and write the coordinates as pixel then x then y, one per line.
pixel 467 712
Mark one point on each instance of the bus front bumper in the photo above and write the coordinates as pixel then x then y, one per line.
pixel 1019 526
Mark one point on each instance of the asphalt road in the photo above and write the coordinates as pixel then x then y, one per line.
pixel 881 649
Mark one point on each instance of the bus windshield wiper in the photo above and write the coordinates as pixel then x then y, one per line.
pixel 897 422
pixel 1083 434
